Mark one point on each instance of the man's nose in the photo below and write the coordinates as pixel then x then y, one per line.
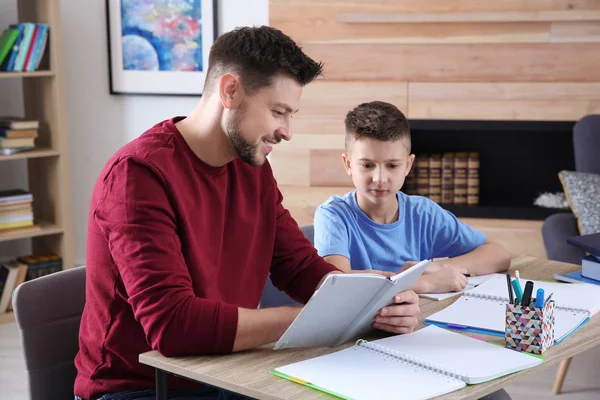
pixel 283 134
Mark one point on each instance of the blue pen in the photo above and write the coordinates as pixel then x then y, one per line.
pixel 518 290
pixel 539 298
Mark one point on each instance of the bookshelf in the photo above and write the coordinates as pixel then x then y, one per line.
pixel 47 165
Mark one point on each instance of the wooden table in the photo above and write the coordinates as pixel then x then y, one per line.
pixel 247 372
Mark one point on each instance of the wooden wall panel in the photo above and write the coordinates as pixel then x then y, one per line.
pixel 327 169
pixel 582 32
pixel 521 62
pixel 324 104
pixel 311 20
pixel 503 100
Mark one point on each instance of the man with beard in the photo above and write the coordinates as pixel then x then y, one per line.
pixel 186 222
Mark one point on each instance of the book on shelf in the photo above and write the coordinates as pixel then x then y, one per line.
pixel 447 179
pixel 14 122
pixel 435 177
pixel 41 264
pixel 473 179
pixel 23 47
pixel 460 178
pixel 422 172
pixel 12 273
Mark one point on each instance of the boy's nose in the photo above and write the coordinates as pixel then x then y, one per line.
pixel 379 176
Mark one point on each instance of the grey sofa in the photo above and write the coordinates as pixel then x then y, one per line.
pixel 558 227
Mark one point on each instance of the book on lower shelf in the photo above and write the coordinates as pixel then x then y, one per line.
pixel 423 364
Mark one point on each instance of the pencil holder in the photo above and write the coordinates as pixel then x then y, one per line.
pixel 528 328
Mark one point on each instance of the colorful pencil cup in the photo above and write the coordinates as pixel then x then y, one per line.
pixel 528 328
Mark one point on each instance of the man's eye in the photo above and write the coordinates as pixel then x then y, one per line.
pixel 278 113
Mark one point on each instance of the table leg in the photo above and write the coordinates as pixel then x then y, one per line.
pixel 162 387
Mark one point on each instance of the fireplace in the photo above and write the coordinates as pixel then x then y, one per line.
pixel 518 161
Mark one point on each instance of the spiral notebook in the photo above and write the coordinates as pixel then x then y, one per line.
pixel 483 309
pixel 423 364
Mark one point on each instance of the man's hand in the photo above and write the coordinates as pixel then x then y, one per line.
pixel 444 280
pixel 400 317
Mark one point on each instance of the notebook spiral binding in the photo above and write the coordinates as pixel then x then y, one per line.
pixel 410 360
pixel 505 300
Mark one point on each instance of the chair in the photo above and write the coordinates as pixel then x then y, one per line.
pixel 48 312
pixel 557 228
pixel 273 297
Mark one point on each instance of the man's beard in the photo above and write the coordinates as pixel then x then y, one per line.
pixel 246 151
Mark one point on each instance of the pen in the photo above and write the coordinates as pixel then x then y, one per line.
pixel 548 299
pixel 511 298
pixel 518 291
pixel 527 294
pixel 539 298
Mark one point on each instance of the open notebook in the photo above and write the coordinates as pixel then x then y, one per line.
pixel 483 309
pixel 423 364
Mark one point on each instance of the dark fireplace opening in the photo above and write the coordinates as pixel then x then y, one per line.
pixel 518 161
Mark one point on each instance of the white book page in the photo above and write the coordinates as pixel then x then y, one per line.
pixel 474 281
pixel 475 360
pixel 584 296
pixel 491 315
pixel 361 374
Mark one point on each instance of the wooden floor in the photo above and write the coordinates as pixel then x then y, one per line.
pixel 583 380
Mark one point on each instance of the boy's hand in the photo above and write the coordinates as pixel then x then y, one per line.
pixel 444 280
pixel 400 317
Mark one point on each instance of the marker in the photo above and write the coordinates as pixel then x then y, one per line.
pixel 518 291
pixel 539 298
pixel 518 276
pixel 511 298
pixel 527 294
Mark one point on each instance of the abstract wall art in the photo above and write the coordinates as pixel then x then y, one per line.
pixel 159 46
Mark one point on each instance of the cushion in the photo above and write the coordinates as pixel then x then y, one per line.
pixel 583 194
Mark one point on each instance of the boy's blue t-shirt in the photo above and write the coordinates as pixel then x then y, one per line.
pixel 424 230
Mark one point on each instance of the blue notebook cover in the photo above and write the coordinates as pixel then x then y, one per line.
pixel 575 277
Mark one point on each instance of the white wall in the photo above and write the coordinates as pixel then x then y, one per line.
pixel 99 123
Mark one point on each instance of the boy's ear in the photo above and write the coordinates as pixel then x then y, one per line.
pixel 346 161
pixel 409 164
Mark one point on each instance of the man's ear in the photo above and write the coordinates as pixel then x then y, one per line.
pixel 409 164
pixel 346 161
pixel 230 90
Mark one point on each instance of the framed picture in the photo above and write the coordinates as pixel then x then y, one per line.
pixel 159 47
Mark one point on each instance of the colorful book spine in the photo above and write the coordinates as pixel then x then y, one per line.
pixel 447 186
pixel 435 177
pixel 473 179
pixel 460 178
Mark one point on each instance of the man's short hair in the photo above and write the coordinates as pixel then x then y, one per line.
pixel 257 55
pixel 376 120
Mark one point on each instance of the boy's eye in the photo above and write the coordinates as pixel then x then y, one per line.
pixel 392 166
pixel 367 165
pixel 278 113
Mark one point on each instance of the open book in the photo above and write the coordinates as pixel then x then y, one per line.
pixel 474 281
pixel 420 365
pixel 344 307
pixel 483 309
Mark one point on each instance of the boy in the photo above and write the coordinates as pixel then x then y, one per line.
pixel 378 227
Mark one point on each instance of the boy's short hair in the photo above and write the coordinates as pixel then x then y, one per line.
pixel 258 54
pixel 376 120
